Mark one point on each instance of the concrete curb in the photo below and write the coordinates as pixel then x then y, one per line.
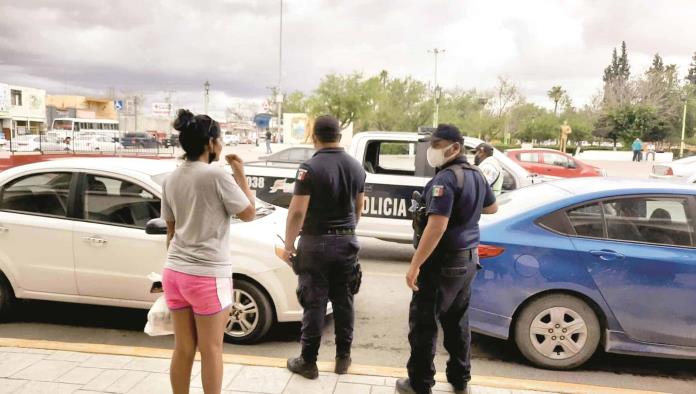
pixel 477 380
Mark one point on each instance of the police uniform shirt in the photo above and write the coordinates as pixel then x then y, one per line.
pixel 333 179
pixel 442 197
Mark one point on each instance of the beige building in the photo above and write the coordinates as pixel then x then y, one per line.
pixel 79 107
pixel 22 110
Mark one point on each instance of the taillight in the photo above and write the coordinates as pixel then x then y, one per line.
pixel 669 171
pixel 487 251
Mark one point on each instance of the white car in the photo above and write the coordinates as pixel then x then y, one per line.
pixel 35 143
pixel 230 139
pixel 100 143
pixel 73 230
pixel 682 168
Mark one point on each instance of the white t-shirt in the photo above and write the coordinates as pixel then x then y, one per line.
pixel 201 199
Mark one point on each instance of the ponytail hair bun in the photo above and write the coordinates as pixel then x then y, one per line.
pixel 184 120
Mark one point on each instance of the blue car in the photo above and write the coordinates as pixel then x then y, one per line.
pixel 574 264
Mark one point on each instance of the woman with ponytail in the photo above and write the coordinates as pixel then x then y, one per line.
pixel 198 201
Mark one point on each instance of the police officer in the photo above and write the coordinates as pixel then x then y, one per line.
pixel 445 263
pixel 490 167
pixel 326 207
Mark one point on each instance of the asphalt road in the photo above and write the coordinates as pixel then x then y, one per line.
pixel 380 335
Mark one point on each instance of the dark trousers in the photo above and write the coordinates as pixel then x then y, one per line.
pixel 268 146
pixel 637 155
pixel 444 291
pixel 328 269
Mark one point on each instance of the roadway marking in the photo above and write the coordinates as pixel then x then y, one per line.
pixel 477 380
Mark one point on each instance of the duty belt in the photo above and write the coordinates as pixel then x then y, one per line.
pixel 332 231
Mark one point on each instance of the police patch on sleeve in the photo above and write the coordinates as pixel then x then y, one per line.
pixel 438 191
pixel 301 174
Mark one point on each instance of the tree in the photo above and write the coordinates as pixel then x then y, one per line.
pixel 295 102
pixel 556 95
pixel 343 96
pixel 617 90
pixel 691 76
pixel 397 103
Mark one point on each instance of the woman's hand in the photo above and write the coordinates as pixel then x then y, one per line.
pixel 236 163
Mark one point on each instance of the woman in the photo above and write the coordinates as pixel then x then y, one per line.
pixel 198 201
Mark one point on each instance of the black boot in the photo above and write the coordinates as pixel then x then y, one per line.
pixel 403 386
pixel 462 389
pixel 342 365
pixel 303 368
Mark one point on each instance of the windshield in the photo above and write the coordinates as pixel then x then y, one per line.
pixel 62 124
pixel 525 199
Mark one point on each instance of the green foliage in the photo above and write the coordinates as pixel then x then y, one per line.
pixel 295 102
pixel 398 104
pixel 556 94
pixel 691 76
pixel 343 96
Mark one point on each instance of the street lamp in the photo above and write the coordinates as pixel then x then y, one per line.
pixel 436 90
pixel 206 96
pixel 482 102
pixel 685 98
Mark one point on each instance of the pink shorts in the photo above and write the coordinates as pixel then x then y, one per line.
pixel 205 295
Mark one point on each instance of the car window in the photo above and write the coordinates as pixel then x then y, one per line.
pixel 528 157
pixel 297 155
pixel 587 220
pixel 398 158
pixel 655 220
pixel 42 194
pixel 556 160
pixel 280 156
pixel 120 202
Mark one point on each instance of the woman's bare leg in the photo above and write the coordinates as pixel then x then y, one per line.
pixel 185 342
pixel 210 331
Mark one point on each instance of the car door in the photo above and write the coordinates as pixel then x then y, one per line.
pixel 113 254
pixel 36 232
pixel 640 253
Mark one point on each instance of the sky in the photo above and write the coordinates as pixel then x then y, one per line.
pixel 157 46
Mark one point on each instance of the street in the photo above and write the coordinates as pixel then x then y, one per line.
pixel 380 334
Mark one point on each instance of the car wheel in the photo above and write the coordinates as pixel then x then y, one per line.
pixel 557 331
pixel 251 315
pixel 7 298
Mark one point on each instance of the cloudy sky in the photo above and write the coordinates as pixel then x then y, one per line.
pixel 153 46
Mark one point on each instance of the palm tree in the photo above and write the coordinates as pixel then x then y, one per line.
pixel 556 94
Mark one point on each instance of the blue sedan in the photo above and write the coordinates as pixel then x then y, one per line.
pixel 572 264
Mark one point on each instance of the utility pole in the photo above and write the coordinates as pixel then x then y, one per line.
pixel 436 92
pixel 279 96
pixel 683 133
pixel 206 96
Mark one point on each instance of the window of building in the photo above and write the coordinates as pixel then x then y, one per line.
pixel 16 97
pixel 40 194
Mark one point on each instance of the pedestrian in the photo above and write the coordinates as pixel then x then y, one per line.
pixel 637 149
pixel 490 167
pixel 268 142
pixel 198 201
pixel 651 151
pixel 445 263
pixel 324 210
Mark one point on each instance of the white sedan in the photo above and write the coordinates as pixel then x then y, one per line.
pixel 73 230
pixel 35 143
pixel 682 168
pixel 101 143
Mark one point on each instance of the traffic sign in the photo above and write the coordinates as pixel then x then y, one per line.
pixel 118 104
pixel 161 108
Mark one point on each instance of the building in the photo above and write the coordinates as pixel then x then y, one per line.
pixel 22 110
pixel 79 107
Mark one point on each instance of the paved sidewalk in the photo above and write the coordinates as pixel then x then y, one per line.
pixel 25 370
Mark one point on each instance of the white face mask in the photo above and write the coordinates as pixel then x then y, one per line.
pixel 436 157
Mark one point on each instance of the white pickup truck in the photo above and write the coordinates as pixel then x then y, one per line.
pixel 396 166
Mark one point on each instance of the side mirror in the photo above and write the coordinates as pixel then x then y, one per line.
pixel 571 164
pixel 156 227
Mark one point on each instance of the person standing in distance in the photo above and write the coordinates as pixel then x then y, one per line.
pixel 326 207
pixel 268 142
pixel 198 201
pixel 444 264
pixel 490 167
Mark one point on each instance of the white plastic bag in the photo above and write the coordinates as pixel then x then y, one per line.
pixel 159 319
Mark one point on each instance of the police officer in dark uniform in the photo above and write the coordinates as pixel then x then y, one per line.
pixel 326 207
pixel 445 263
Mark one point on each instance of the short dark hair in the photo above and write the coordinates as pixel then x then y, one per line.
pixel 195 131
pixel 327 129
pixel 485 148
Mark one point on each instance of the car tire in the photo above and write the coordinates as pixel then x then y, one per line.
pixel 7 298
pixel 552 318
pixel 256 325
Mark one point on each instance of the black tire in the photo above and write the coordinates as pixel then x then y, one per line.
pixel 563 357
pixel 264 315
pixel 7 298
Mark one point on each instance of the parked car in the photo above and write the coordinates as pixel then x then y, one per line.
pixel 140 140
pixel 89 215
pixel 36 143
pixel 102 143
pixel 230 138
pixel 554 163
pixel 573 264
pixel 3 141
pixel 682 168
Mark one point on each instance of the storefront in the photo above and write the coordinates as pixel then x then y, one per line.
pixel 22 110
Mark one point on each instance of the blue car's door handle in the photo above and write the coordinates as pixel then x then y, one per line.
pixel 607 255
